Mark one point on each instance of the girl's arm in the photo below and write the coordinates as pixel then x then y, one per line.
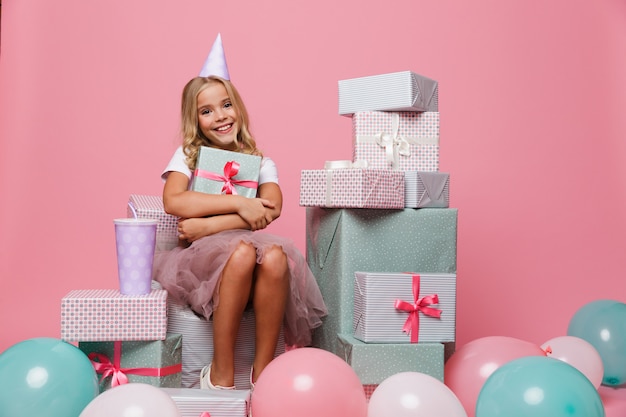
pixel 179 201
pixel 195 228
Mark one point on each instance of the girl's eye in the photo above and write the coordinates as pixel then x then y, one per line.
pixel 228 104
pixel 205 111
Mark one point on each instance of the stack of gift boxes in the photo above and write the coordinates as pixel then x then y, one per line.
pixel 380 236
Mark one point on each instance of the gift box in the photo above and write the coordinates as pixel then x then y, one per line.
pixel 426 189
pixel 151 207
pixel 340 242
pixel 406 141
pixel 197 335
pixel 225 172
pixel 352 188
pixel 193 402
pixel 375 362
pixel 396 91
pixel 108 315
pixel 154 362
pixel 404 308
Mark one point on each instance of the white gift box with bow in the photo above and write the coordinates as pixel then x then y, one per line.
pixel 404 307
pixel 405 141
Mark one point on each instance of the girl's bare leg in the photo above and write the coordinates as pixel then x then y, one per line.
pixel 234 293
pixel 270 293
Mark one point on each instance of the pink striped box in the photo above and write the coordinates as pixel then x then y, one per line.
pixel 108 315
pixel 151 207
pixel 352 188
pixel 405 141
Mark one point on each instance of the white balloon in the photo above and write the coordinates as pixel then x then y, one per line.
pixel 579 353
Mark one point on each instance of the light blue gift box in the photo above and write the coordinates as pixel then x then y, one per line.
pixel 213 173
pixel 164 355
pixel 375 362
pixel 340 242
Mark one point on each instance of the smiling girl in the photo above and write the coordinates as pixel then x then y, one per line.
pixel 225 265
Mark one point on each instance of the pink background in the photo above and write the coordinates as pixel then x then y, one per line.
pixel 532 99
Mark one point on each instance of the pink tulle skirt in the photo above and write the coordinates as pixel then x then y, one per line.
pixel 191 275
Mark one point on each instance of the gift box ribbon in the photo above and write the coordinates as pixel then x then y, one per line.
pixel 231 168
pixel 103 365
pixel 412 323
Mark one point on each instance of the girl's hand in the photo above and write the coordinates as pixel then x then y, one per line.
pixel 254 211
pixel 193 229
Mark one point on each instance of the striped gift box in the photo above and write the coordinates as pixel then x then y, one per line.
pixel 151 207
pixel 426 189
pixel 396 91
pixel 404 307
pixel 108 315
pixel 198 344
pixel 352 188
pixel 406 141
pixel 193 402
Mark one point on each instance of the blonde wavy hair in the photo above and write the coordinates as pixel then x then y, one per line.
pixel 192 136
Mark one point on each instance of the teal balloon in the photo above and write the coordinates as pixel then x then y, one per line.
pixel 602 323
pixel 538 386
pixel 45 377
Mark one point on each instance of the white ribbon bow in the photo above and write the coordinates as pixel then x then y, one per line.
pixel 393 143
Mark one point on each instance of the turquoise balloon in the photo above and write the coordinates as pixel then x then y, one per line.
pixel 602 323
pixel 538 386
pixel 45 377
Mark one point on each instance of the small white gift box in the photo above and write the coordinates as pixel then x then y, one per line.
pixel 426 189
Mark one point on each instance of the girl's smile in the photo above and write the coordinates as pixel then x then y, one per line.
pixel 217 118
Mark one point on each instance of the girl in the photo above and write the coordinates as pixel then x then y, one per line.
pixel 225 265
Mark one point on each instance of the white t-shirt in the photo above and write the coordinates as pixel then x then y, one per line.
pixel 268 173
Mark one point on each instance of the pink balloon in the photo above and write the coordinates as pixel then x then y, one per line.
pixel 132 399
pixel 308 382
pixel 469 367
pixel 614 401
pixel 409 394
pixel 579 353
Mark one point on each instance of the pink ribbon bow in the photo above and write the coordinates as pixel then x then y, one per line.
pixel 412 323
pixel 103 365
pixel 231 168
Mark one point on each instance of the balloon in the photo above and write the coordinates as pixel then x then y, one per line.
pixel 409 394
pixel 469 367
pixel 132 399
pixel 45 377
pixel 603 324
pixel 579 353
pixel 308 382
pixel 614 400
pixel 538 387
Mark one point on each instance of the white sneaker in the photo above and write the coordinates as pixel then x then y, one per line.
pixel 205 380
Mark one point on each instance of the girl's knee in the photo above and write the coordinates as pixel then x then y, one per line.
pixel 243 254
pixel 275 259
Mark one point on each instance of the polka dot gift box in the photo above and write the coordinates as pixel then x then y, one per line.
pixel 355 188
pixel 342 241
pixel 375 362
pixel 108 315
pixel 406 141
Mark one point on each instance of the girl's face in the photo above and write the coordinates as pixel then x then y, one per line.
pixel 217 118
